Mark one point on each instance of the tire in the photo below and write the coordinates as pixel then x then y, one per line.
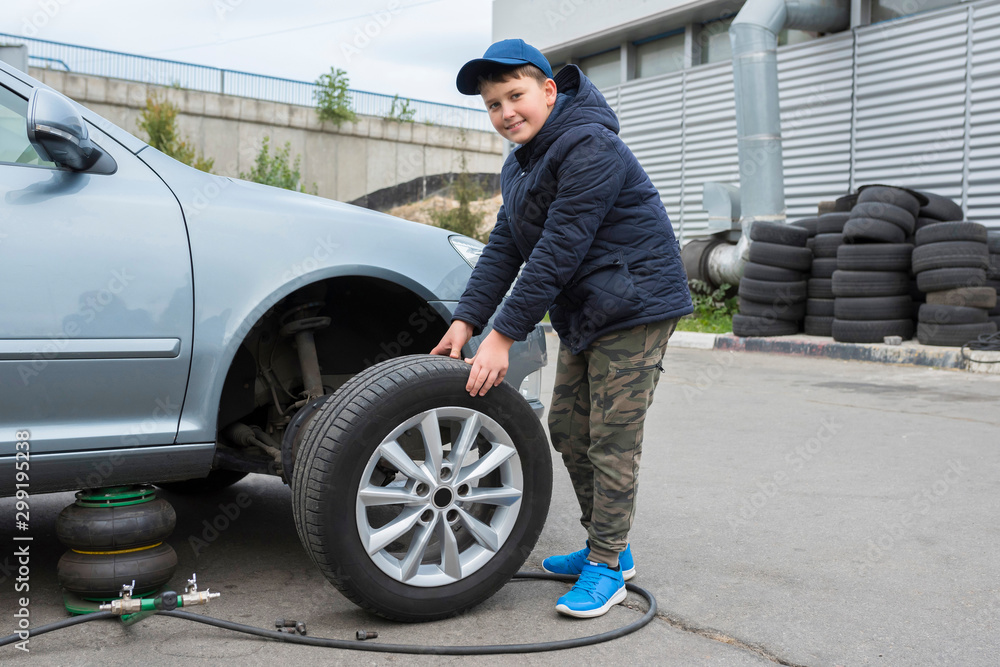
pixel 808 224
pixel 823 267
pixel 874 257
pixel 765 231
pixel 102 575
pixel 888 212
pixel 936 314
pixel 821 288
pixel 832 223
pixel 993 272
pixel 216 481
pixel 947 254
pixel 375 422
pixel 114 528
pixel 970 297
pixel 786 257
pixel 946 279
pixel 846 203
pixel 825 245
pixel 756 271
pixel 923 222
pixel 871 331
pixel 747 326
pixel 789 312
pixel 995 319
pixel 940 208
pixel 870 283
pixel 773 292
pixel 816 325
pixel 872 230
pixel 952 335
pixel 820 307
pixel 885 194
pixel 993 242
pixel 965 230
pixel 873 308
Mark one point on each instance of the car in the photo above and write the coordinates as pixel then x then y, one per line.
pixel 163 325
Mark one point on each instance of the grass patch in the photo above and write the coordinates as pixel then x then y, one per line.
pixel 713 309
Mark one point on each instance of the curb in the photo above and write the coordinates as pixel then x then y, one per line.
pixel 909 353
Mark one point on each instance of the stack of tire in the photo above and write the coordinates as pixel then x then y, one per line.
pixel 872 280
pixel 115 535
pixel 993 274
pixel 951 260
pixel 819 306
pixel 773 287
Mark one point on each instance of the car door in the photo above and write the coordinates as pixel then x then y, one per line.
pixel 96 304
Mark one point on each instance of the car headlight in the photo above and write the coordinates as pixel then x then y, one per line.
pixel 469 249
pixel 531 386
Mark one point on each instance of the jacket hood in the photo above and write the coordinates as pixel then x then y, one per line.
pixel 583 104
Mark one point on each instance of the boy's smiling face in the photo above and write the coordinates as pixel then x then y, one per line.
pixel 519 107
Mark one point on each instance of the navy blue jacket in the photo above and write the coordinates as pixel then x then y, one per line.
pixel 581 214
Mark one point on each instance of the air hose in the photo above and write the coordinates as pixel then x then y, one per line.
pixel 538 647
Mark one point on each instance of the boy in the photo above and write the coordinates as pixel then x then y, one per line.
pixel 600 255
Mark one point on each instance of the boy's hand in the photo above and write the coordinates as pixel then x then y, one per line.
pixel 454 340
pixel 489 366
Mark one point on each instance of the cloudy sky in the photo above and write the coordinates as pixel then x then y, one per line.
pixel 412 48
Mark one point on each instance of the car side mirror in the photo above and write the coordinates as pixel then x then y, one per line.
pixel 58 132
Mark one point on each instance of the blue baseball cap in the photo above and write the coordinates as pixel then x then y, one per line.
pixel 511 52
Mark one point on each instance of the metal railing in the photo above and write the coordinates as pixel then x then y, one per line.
pixel 157 71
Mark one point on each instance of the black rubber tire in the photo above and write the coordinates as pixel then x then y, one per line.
pixel 823 267
pixel 748 326
pixel 993 272
pixel 790 312
pixel 870 283
pixel 871 331
pixel 779 233
pixel 825 245
pixel 817 325
pixel 945 279
pixel 952 335
pixel 873 308
pixel 872 230
pixel 993 242
pixel 969 297
pixel 808 224
pixel 947 254
pixel 930 312
pixel 756 271
pixel 764 291
pixel 923 222
pixel 845 203
pixel 337 447
pixel 216 481
pixel 114 528
pixel 102 575
pixel 889 195
pixel 965 230
pixel 820 307
pixel 874 257
pixel 821 288
pixel 832 223
pixel 995 319
pixel 940 208
pixel 888 212
pixel 786 257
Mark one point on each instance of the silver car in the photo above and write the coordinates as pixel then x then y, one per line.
pixel 159 324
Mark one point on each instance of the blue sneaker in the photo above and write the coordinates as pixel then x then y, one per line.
pixel 598 589
pixel 572 564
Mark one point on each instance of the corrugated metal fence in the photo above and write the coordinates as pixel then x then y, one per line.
pixel 912 102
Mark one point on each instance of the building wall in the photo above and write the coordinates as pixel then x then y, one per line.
pixel 344 163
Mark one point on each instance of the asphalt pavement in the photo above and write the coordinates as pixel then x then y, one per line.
pixel 795 511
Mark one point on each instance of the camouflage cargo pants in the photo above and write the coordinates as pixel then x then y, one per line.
pixel 596 421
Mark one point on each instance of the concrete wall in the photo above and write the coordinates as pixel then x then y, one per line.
pixel 345 163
